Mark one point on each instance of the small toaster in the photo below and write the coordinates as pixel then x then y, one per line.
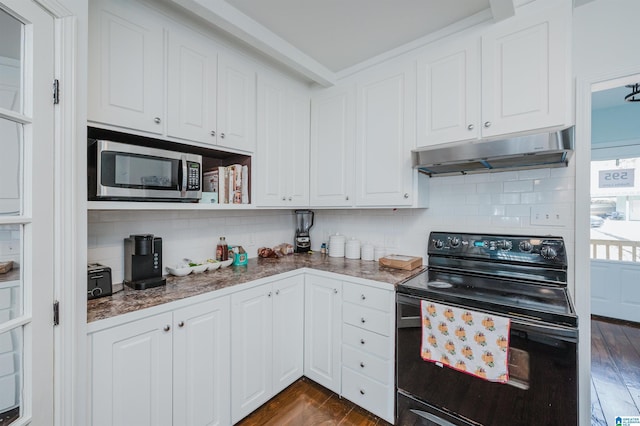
pixel 98 281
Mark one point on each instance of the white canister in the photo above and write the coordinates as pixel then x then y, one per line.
pixel 352 249
pixel 367 252
pixel 337 245
pixel 379 252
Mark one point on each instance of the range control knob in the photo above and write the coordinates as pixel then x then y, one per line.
pixel 525 246
pixel 454 241
pixel 548 252
pixel 438 244
pixel 505 245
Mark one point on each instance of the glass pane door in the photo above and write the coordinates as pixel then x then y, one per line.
pixel 26 213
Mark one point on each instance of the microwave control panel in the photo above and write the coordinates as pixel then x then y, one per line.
pixel 193 176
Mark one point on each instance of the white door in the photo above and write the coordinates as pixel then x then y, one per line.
pixel 251 350
pixel 236 103
pixel 192 68
pixel 288 332
pixel 131 373
pixel 126 57
pixel 322 336
pixel 201 376
pixel 385 137
pixel 333 134
pixel 26 219
pixel 449 93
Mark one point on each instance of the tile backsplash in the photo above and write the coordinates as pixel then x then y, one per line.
pixel 497 203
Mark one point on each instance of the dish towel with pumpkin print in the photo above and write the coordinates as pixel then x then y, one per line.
pixel 472 342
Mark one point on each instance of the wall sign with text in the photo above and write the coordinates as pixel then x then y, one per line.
pixel 619 178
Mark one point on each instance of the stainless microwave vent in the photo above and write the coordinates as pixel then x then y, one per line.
pixel 518 153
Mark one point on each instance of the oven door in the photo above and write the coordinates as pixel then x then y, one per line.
pixel 542 388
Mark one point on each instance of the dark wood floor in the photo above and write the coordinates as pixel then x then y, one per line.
pixel 615 370
pixel 305 403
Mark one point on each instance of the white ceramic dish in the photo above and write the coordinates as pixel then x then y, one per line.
pixel 212 266
pixel 226 263
pixel 200 268
pixel 179 272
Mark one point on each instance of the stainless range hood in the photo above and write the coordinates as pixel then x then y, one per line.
pixel 518 153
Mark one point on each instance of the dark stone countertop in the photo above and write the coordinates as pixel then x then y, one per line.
pixel 178 288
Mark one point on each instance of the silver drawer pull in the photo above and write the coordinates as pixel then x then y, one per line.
pixel 361 391
pixel 362 341
pixel 362 364
pixel 181 324
pixel 362 320
pixel 363 297
pixel 167 327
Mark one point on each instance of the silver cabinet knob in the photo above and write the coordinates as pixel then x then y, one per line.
pixel 470 127
pixel 362 341
pixel 362 320
pixel 361 364
pixel 346 198
pixel 181 324
pixel 222 135
pixel 284 198
pixel 487 124
pixel 361 391
pixel 269 294
pixel 277 292
pixel 167 327
pixel 363 297
pixel 290 198
pixel 157 120
pixel 213 133
pixel 406 195
pixel 335 291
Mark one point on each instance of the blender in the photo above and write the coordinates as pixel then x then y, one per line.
pixel 304 222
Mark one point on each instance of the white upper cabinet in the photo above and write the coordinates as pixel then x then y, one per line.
pixel 449 93
pixel 524 73
pixel 126 63
pixel 511 78
pixel 236 103
pixel 333 135
pixel 283 142
pixel 192 75
pixel 385 136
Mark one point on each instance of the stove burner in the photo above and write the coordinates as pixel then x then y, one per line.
pixel 439 284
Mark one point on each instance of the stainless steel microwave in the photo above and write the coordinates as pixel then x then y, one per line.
pixel 122 172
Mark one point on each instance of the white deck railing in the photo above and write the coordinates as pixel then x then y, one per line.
pixel 628 251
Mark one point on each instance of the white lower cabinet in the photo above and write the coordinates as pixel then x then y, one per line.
pixel 266 342
pixel 170 368
pixel 368 348
pixel 323 318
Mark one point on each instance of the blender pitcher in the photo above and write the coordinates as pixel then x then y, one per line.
pixel 304 222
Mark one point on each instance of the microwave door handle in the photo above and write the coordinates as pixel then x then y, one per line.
pixel 182 176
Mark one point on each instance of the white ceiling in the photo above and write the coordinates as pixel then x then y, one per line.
pixel 341 33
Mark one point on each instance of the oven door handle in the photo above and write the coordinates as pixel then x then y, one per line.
pixel 557 331
pixel 431 417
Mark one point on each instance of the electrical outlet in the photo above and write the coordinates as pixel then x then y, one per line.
pixel 550 215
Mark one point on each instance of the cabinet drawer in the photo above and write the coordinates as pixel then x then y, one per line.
pixel 367 393
pixel 369 319
pixel 367 296
pixel 366 364
pixel 367 341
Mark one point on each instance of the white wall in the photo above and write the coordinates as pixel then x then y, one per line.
pixel 491 203
pixel 190 234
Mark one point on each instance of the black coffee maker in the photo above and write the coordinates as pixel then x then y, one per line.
pixel 143 261
pixel 304 222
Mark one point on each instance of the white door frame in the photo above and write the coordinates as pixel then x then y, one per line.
pixel 70 337
pixel 584 88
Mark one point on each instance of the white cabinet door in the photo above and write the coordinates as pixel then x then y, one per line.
pixel 251 350
pixel 192 66
pixel 201 376
pixel 449 93
pixel 524 73
pixel 333 135
pixel 288 332
pixel 295 175
pixel 385 138
pixel 283 143
pixel 322 336
pixel 126 78
pixel 132 373
pixel 270 159
pixel 236 103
